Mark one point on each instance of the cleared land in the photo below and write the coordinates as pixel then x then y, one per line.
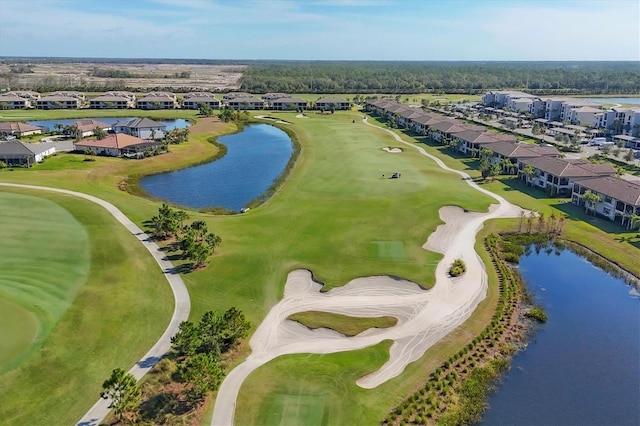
pixel 201 77
pixel 343 324
pixel 109 320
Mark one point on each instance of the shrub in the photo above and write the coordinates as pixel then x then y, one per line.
pixel 536 313
pixel 457 268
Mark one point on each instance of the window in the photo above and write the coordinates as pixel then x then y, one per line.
pixel 606 210
pixel 607 199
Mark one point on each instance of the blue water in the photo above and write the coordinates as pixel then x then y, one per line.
pixel 634 101
pixel 179 123
pixel 582 366
pixel 255 158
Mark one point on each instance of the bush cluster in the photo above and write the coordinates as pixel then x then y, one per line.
pixel 457 268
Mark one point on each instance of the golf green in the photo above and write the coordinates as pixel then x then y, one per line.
pixel 44 259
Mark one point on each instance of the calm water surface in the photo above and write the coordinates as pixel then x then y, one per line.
pixel 583 366
pixel 255 158
pixel 179 123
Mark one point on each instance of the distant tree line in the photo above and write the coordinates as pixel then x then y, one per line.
pixel 441 77
pixel 120 73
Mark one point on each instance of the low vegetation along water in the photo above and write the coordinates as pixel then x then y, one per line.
pixel 255 158
pixel 581 367
pixel 179 123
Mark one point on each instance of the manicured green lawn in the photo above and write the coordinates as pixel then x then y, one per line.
pixel 336 216
pixel 98 295
pixel 323 392
pixel 44 260
pixel 344 324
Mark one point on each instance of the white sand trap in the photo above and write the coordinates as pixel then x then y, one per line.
pixel 424 316
pixel 301 116
pixel 264 117
pixel 392 150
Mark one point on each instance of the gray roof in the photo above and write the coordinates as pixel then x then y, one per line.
pixel 20 148
pixel 139 123
pixel 569 168
pixel 620 189
pixel 288 100
pixel 521 150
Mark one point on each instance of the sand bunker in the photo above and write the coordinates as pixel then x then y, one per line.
pixel 424 316
pixel 392 150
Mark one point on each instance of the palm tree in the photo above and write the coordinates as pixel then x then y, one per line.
pixel 508 166
pixel 529 173
pixel 540 223
pixel 561 221
pixel 634 221
pixel 551 224
pixel 530 221
pixel 522 215
pixel 590 200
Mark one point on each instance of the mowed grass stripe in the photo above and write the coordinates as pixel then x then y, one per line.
pixel 115 317
pixel 44 260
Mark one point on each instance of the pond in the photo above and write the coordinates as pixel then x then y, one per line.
pixel 255 158
pixel 582 366
pixel 179 123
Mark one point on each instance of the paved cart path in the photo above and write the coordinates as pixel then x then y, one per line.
pixel 424 316
pixel 181 309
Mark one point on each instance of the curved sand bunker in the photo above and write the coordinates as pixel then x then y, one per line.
pixel 424 316
pixel 392 150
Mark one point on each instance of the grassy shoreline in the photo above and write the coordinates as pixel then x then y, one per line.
pixel 332 214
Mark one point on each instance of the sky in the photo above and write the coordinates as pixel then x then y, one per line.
pixel 416 30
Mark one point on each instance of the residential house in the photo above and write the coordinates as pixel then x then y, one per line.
pixel 245 103
pixel 443 131
pixel 234 95
pixel 158 100
pixel 421 124
pixel 114 100
pixel 406 117
pixel 288 104
pixel 27 94
pixel 519 150
pixel 143 128
pixel 559 175
pixel 17 129
pixel 326 104
pixel 268 97
pixel 195 99
pixel 72 94
pixel 59 102
pixel 21 154
pixel 11 101
pixel 86 127
pixel 118 145
pixel 619 198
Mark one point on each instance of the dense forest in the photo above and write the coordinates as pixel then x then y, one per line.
pixel 449 77
pixel 364 77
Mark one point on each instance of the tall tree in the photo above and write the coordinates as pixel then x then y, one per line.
pixel 203 373
pixel 123 391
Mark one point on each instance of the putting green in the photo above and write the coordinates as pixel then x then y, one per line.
pixel 44 259
pixel 17 338
pixel 299 409
pixel 389 250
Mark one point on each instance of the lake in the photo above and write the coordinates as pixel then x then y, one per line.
pixel 254 160
pixel 179 123
pixel 629 101
pixel 583 365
